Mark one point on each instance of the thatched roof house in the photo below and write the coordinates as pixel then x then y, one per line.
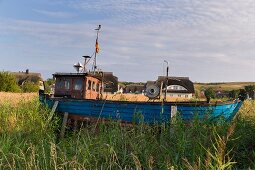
pixel 134 88
pixel 176 86
pixel 21 77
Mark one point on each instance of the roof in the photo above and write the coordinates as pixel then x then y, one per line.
pixel 58 74
pixel 181 81
pixel 111 82
pixel 25 76
pixel 135 85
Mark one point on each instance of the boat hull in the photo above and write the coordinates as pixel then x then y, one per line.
pixel 147 112
pixel 224 111
pixel 124 111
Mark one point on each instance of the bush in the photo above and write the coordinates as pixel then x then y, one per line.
pixel 29 86
pixel 209 93
pixel 250 91
pixel 48 83
pixel 234 94
pixel 8 82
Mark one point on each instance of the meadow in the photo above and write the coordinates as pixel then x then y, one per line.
pixel 29 140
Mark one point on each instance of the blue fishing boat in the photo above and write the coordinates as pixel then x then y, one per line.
pixel 137 112
pixel 78 96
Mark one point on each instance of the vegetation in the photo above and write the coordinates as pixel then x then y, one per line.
pixel 8 83
pixel 29 87
pixel 209 94
pixel 48 83
pixel 28 140
pixel 234 94
pixel 250 91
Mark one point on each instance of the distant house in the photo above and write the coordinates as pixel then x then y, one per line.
pixel 134 88
pixel 110 82
pixel 221 93
pixel 180 87
pixel 22 77
pixel 121 88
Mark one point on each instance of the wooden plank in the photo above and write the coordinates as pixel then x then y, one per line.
pixel 75 125
pixel 52 111
pixel 173 111
pixel 63 128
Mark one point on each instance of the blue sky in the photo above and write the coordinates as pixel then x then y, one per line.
pixel 208 41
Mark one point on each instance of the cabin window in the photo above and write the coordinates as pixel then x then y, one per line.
pixel 63 84
pixel 93 86
pixel 60 84
pixel 67 84
pixel 97 88
pixel 89 85
pixel 78 85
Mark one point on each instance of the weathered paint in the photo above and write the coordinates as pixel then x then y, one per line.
pixel 124 111
pixel 80 86
pixel 92 91
pixel 147 112
pixel 226 111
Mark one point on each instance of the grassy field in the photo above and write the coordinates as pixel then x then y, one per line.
pixel 228 86
pixel 28 140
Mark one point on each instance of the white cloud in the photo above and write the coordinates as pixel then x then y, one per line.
pixel 55 14
pixel 196 37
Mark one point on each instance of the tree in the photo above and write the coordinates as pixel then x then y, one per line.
pixel 250 90
pixel 209 93
pixel 242 94
pixel 234 94
pixel 8 82
pixel 29 86
pixel 48 83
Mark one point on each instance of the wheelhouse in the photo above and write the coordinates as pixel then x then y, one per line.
pixel 77 85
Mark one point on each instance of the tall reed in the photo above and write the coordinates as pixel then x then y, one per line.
pixel 29 141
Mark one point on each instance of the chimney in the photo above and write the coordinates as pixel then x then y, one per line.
pixel 27 71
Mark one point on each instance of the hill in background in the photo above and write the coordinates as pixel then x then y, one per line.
pixel 226 86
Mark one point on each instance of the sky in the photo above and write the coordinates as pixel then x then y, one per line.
pixel 205 40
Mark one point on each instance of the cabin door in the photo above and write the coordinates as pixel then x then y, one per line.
pixel 77 90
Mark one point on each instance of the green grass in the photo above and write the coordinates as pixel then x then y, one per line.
pixel 28 141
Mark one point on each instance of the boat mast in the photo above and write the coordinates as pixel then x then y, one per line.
pixel 96 50
pixel 166 83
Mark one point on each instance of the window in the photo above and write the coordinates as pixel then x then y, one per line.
pixel 97 87
pixel 186 96
pixel 89 85
pixel 93 86
pixel 176 87
pixel 59 84
pixel 78 85
pixel 67 84
pixel 63 84
pixel 179 95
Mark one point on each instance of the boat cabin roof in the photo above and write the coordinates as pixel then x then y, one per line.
pixel 97 76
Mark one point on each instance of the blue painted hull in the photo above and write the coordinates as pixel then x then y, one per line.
pixel 124 111
pixel 225 111
pixel 147 112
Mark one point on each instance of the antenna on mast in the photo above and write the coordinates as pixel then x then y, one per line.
pixel 86 58
pixel 77 67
